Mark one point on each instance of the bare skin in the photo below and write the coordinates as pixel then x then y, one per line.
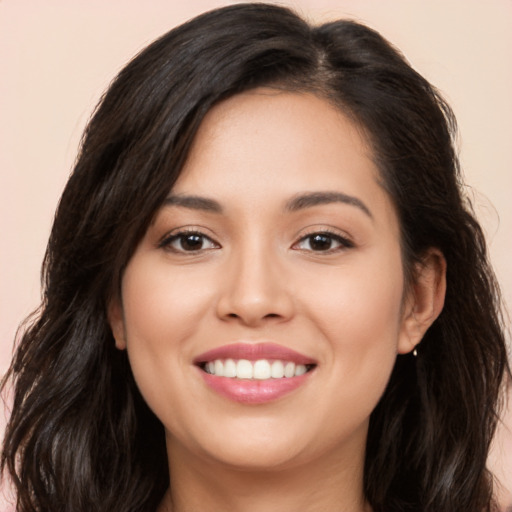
pixel 277 231
pixel 200 487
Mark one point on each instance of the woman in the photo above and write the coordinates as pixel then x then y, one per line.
pixel 263 288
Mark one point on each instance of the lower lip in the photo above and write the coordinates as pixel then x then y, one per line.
pixel 254 391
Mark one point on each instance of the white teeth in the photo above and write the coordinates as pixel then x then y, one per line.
pixel 277 370
pixel 259 370
pixel 229 368
pixel 289 370
pixel 219 367
pixel 262 369
pixel 300 369
pixel 243 369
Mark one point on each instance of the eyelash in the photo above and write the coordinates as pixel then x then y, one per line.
pixel 167 242
pixel 342 241
pixel 329 236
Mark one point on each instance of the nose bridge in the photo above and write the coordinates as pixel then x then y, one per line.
pixel 255 285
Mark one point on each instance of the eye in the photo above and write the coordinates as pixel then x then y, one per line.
pixel 188 241
pixel 323 242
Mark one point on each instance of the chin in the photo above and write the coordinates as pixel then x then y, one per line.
pixel 257 458
pixel 246 444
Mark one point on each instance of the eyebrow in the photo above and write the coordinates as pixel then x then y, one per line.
pixel 194 203
pixel 298 202
pixel 311 199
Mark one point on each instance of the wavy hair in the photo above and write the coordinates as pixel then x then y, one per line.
pixel 81 437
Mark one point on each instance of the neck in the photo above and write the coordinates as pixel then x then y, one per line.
pixel 332 485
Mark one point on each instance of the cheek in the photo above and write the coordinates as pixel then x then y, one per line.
pixel 360 302
pixel 162 307
pixel 361 318
pixel 162 314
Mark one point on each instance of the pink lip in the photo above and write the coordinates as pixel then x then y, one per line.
pixel 253 391
pixel 253 352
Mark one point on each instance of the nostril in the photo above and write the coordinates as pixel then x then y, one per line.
pixel 253 309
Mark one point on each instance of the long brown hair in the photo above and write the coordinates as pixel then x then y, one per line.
pixel 81 437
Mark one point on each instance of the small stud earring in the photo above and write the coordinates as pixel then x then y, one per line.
pixel 415 352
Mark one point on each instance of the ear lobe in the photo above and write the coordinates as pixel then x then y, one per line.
pixel 425 299
pixel 116 322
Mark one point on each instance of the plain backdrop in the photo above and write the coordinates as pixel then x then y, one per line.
pixel 58 56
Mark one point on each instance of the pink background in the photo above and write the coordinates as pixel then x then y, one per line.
pixel 57 56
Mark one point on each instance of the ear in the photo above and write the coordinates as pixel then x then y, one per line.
pixel 424 301
pixel 116 321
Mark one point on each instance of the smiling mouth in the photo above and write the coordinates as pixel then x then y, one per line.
pixel 261 369
pixel 254 373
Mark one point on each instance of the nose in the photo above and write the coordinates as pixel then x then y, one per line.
pixel 255 289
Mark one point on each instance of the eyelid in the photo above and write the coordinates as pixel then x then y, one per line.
pixel 342 238
pixel 174 234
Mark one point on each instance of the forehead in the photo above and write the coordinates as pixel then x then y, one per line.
pixel 266 144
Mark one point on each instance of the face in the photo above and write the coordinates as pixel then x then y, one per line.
pixel 263 310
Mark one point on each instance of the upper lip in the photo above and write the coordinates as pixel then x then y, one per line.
pixel 253 352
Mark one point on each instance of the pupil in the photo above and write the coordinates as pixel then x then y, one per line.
pixel 320 242
pixel 191 242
